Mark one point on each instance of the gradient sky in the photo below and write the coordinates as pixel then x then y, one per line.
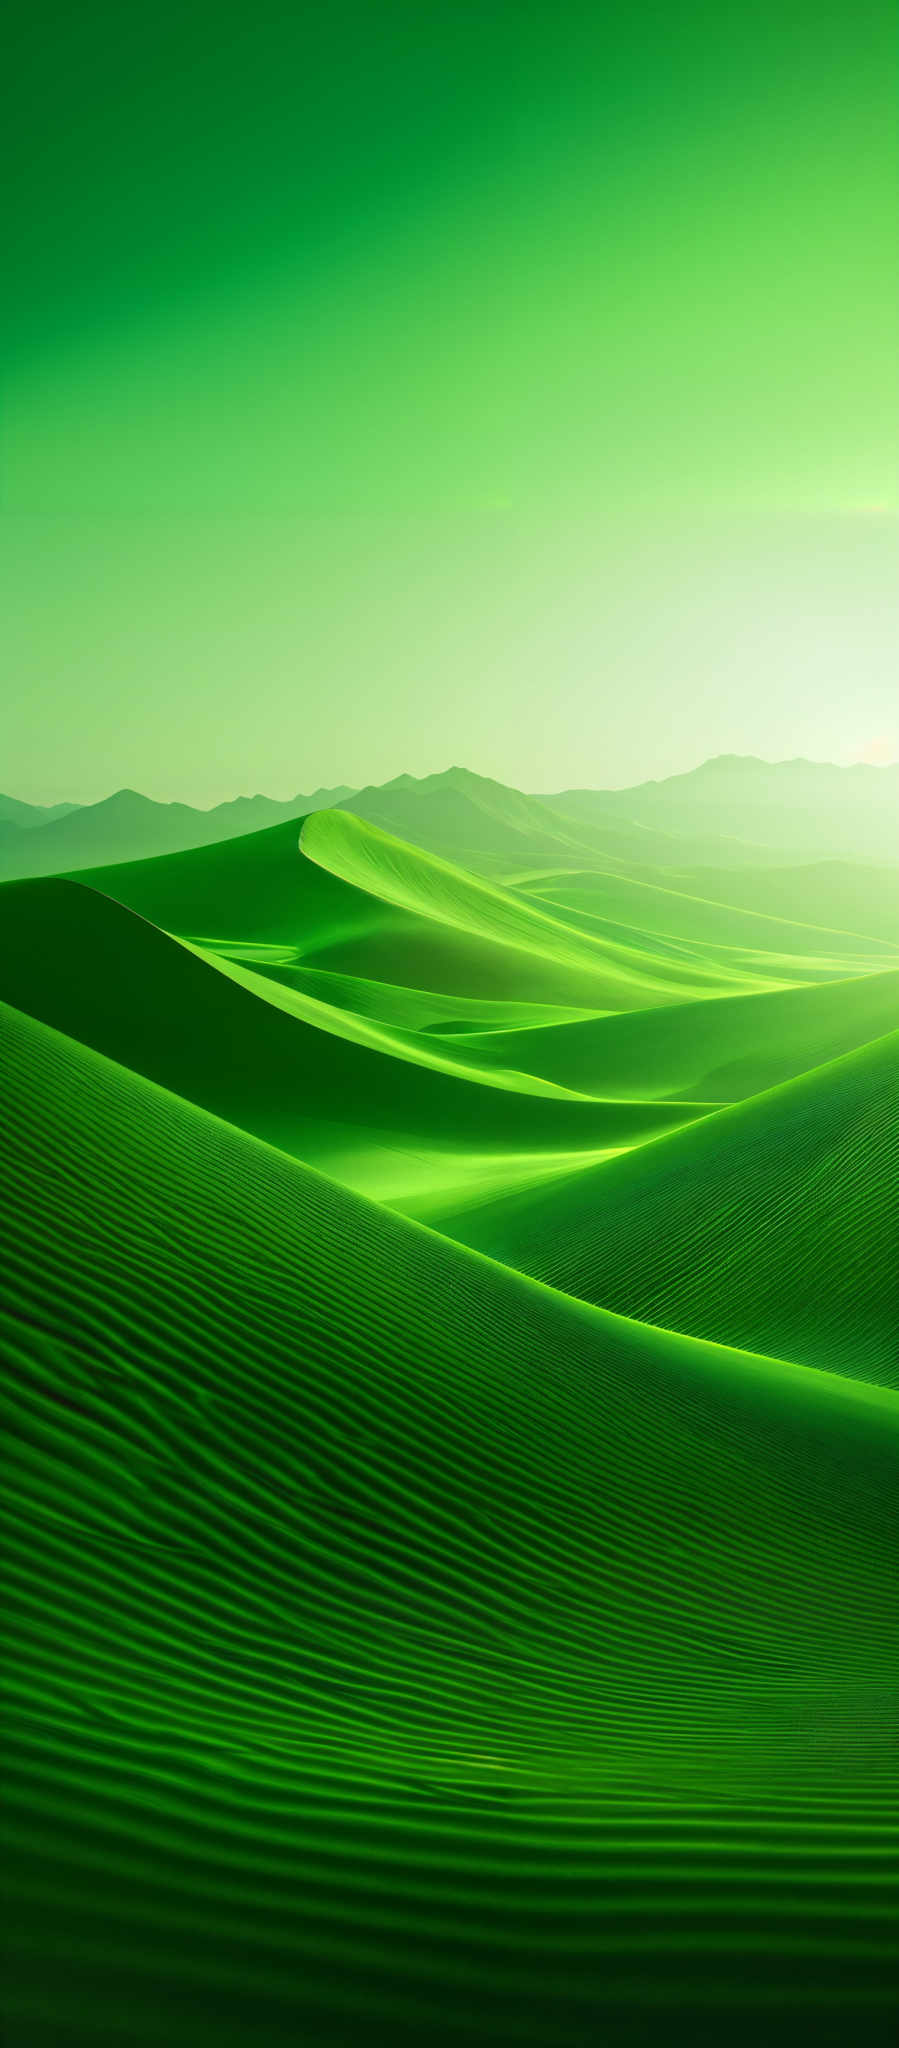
pixel 399 385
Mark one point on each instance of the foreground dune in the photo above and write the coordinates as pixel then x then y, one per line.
pixel 403 1650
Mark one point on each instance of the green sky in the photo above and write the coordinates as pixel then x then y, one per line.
pixel 395 385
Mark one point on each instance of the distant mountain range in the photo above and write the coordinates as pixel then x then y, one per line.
pixel 731 812
pixel 25 816
pixel 128 826
pixel 811 808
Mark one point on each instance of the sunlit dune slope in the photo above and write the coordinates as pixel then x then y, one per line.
pixel 327 1084
pixel 625 974
pixel 399 1651
pixel 815 926
pixel 355 902
pixel 772 1224
pixel 719 1051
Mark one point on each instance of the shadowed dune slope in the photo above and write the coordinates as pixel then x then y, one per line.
pixel 358 903
pixel 719 1051
pixel 771 1225
pixel 390 1002
pixel 317 1081
pixel 628 973
pixel 402 1651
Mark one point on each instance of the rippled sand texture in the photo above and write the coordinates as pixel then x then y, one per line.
pixel 477 1628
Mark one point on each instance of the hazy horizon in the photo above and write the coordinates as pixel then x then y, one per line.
pixel 286 794
pixel 521 390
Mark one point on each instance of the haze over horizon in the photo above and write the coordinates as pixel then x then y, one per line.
pixel 878 755
pixel 420 385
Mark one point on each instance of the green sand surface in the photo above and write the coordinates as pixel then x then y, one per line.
pixel 772 1225
pixel 451 1455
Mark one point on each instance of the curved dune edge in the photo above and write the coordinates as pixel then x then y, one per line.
pixel 627 974
pixel 383 1109
pixel 501 1670
pixel 769 1225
